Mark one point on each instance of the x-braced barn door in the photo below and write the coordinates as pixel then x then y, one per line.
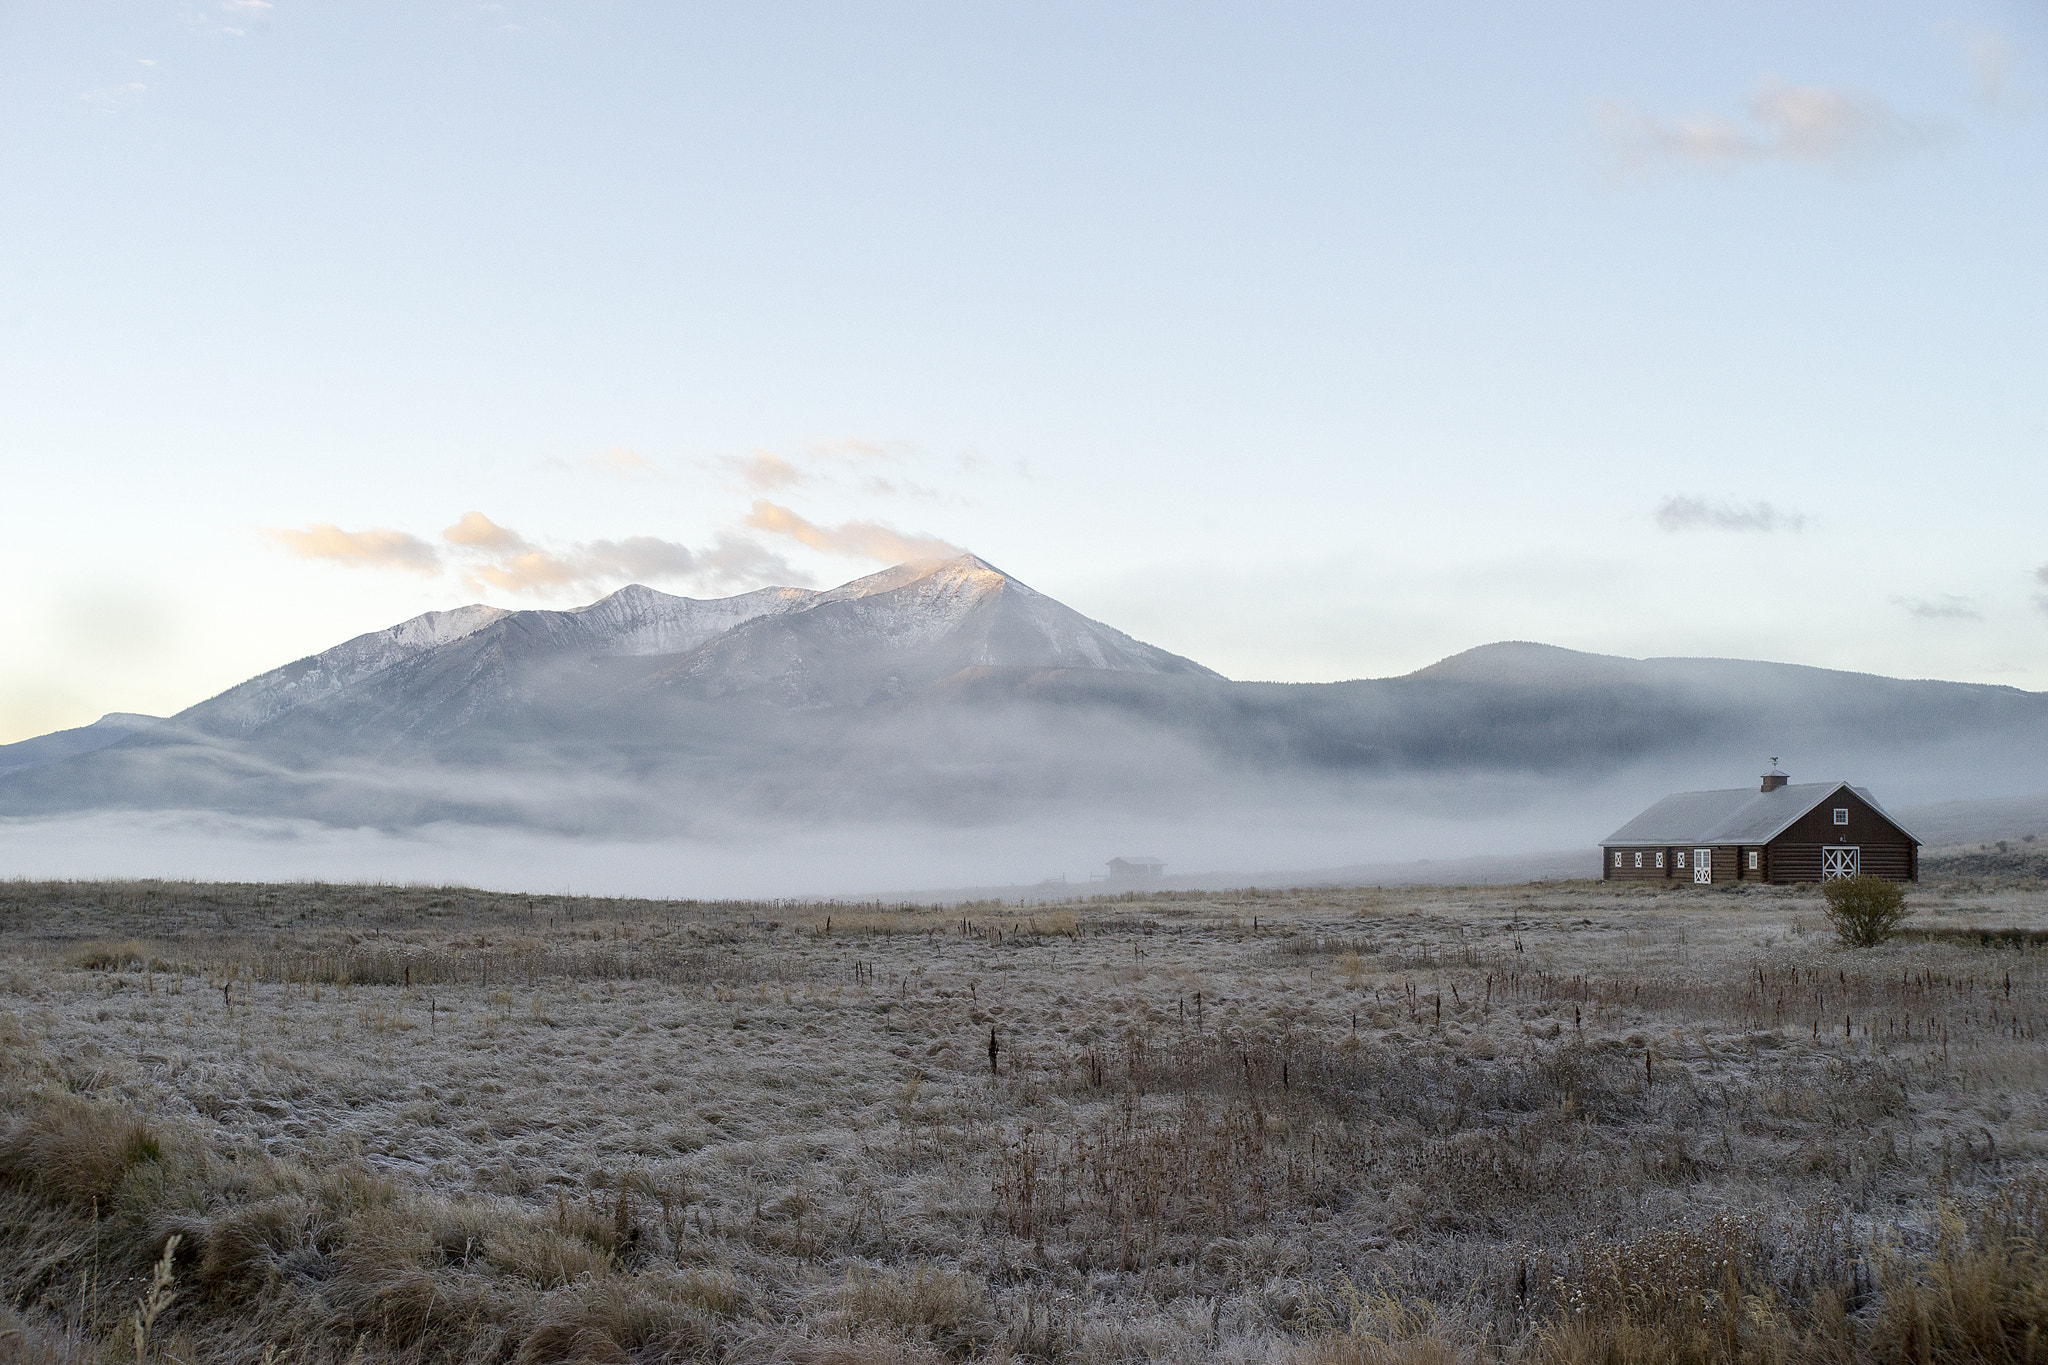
pixel 1703 866
pixel 1839 862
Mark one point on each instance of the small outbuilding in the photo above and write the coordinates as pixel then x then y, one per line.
pixel 1779 832
pixel 1136 869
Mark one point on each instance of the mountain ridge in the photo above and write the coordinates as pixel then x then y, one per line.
pixel 949 691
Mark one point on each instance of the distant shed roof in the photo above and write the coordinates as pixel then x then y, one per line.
pixel 1739 815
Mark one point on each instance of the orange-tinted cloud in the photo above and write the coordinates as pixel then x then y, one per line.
pixel 856 539
pixel 490 555
pixel 507 560
pixel 476 531
pixel 764 470
pixel 376 548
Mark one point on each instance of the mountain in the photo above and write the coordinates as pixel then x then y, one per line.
pixel 901 630
pixel 952 695
pixel 441 675
pixel 452 664
pixel 59 745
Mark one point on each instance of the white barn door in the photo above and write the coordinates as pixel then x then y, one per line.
pixel 1839 862
pixel 1703 866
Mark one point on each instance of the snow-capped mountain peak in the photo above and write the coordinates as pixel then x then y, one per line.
pixel 907 627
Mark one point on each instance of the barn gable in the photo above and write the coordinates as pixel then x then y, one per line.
pixel 1739 815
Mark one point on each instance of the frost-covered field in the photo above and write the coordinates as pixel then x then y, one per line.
pixel 1344 1125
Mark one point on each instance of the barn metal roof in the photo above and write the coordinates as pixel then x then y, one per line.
pixel 1739 815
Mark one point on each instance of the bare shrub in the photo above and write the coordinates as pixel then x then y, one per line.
pixel 76 1151
pixel 243 1250
pixel 928 1302
pixel 1864 910
pixel 547 1256
pixel 648 1317
pixel 1981 1296
pixel 25 1342
pixel 1382 1330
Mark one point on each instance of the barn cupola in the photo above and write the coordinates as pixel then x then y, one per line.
pixel 1775 778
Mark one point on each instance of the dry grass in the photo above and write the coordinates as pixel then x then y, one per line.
pixel 1560 1124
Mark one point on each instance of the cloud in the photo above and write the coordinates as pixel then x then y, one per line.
pixel 854 448
pixel 530 571
pixel 478 532
pixel 764 471
pixel 849 464
pixel 1991 58
pixel 854 539
pixel 237 11
pixel 110 99
pixel 615 460
pixel 733 563
pixel 376 548
pixel 1681 513
pixel 490 555
pixel 736 560
pixel 619 460
pixel 1806 125
pixel 1940 607
pixel 502 558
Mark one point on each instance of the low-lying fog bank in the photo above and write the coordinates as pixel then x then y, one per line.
pixel 1056 857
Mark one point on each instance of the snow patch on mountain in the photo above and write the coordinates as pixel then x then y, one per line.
pixel 248 706
pixel 638 620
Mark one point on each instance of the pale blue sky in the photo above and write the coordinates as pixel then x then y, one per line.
pixel 1313 342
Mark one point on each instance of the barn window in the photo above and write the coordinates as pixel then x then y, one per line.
pixel 1681 860
pixel 1660 860
pixel 1752 860
pixel 1841 815
pixel 1639 860
pixel 1617 860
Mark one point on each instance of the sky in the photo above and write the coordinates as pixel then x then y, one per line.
pixel 1310 341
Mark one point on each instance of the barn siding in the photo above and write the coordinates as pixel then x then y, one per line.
pixel 1795 862
pixel 1628 871
pixel 1886 851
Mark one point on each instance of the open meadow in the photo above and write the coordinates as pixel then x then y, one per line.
pixel 1561 1122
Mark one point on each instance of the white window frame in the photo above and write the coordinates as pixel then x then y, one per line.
pixel 1841 815
pixel 1703 867
pixel 1681 860
pixel 1639 860
pixel 1660 857
pixel 1754 856
pixel 1840 860
pixel 1617 857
